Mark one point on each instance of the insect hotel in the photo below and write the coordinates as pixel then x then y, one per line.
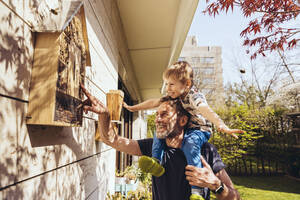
pixel 58 70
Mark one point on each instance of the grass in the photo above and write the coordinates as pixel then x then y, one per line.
pixel 267 188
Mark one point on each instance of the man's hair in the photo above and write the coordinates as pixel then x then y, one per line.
pixel 181 71
pixel 176 104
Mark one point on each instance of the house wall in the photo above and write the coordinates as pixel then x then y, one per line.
pixel 47 162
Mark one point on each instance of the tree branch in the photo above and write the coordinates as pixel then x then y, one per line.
pixel 286 66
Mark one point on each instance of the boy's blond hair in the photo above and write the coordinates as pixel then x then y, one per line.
pixel 181 71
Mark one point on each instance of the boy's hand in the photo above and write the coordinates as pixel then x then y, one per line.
pixel 230 131
pixel 127 107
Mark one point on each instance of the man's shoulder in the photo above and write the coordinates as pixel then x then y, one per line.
pixel 146 146
pixel 146 140
pixel 211 155
pixel 209 152
pixel 208 147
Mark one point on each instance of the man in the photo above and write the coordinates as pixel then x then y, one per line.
pixel 175 183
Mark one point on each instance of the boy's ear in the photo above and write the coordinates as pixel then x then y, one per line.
pixel 183 120
pixel 188 83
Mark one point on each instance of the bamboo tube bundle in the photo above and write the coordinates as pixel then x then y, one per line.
pixel 114 102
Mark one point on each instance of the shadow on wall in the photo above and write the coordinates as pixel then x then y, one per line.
pixel 16 56
pixel 81 143
pixel 83 175
pixel 15 67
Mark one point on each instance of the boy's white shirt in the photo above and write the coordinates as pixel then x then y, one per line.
pixel 195 103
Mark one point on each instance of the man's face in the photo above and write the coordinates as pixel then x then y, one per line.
pixel 166 121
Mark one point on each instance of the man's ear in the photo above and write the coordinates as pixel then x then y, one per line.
pixel 183 120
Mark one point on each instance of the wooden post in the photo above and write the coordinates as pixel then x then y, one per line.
pixel 114 102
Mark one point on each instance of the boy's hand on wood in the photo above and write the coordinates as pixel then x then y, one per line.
pixel 127 107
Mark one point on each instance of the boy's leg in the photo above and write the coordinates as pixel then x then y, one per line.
pixel 191 146
pixel 158 147
pixel 152 165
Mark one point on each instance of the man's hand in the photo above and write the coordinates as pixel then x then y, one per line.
pixel 202 177
pixel 106 128
pixel 230 131
pixel 205 177
pixel 93 104
pixel 107 134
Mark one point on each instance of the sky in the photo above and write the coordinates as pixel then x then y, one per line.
pixel 223 30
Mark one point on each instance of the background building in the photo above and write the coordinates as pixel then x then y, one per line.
pixel 207 64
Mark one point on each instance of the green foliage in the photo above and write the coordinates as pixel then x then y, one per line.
pixel 138 195
pixel 134 173
pixel 238 117
pixel 144 180
pixel 151 125
pixel 132 195
pixel 267 137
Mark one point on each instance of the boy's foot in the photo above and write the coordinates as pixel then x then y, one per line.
pixel 196 197
pixel 150 165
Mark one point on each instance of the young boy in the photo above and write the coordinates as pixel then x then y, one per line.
pixel 179 84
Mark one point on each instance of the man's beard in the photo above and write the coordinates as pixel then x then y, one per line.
pixel 175 130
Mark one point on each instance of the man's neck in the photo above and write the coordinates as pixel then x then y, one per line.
pixel 175 141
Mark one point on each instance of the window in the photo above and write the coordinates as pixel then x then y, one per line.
pixel 197 82
pixel 208 81
pixel 207 60
pixel 207 70
pixel 196 71
pixel 181 59
pixel 195 60
pixel 206 91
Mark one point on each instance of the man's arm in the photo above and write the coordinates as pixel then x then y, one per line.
pixel 106 129
pixel 229 192
pixel 205 177
pixel 109 137
pixel 148 104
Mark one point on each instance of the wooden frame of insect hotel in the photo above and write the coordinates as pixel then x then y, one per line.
pixel 58 70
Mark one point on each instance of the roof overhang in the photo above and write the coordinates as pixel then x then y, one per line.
pixel 155 32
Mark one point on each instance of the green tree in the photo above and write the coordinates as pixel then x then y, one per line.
pixel 265 131
pixel 150 125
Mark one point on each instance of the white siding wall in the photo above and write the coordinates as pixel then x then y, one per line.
pixel 43 162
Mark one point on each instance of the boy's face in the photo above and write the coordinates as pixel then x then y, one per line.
pixel 174 87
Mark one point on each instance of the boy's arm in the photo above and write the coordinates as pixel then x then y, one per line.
pixel 209 114
pixel 148 104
